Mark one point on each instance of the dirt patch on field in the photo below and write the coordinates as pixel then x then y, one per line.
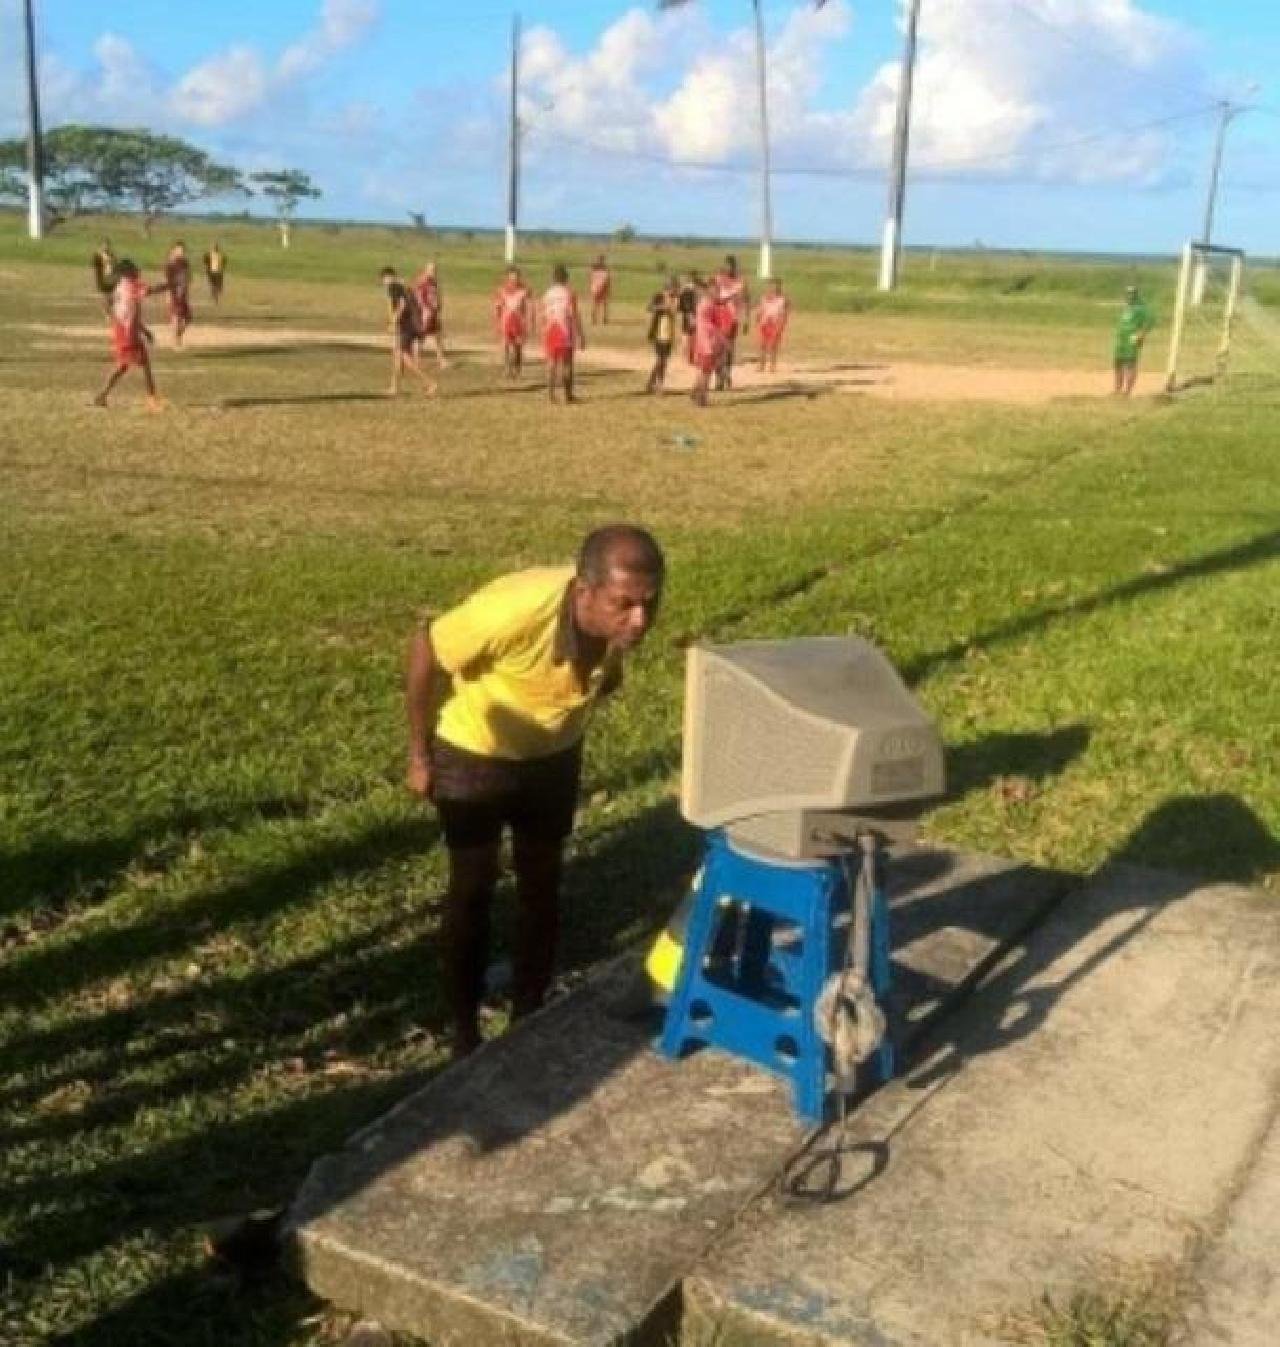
pixel 214 336
pixel 905 381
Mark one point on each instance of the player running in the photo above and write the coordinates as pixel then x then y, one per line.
pixel 561 333
pixel 771 322
pixel 513 314
pixel 599 282
pixel 177 275
pixel 215 271
pixel 405 325
pixel 129 335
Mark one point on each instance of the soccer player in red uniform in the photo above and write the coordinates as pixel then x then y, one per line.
pixel 177 275
pixel 426 289
pixel 599 282
pixel 512 311
pixel 771 321
pixel 736 314
pixel 561 333
pixel 129 335
pixel 708 340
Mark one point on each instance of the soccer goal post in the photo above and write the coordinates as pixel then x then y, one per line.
pixel 1209 281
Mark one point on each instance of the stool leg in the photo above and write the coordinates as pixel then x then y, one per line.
pixel 881 966
pixel 697 938
pixel 811 1068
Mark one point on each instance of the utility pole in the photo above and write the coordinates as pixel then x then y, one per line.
pixel 891 244
pixel 1227 110
pixel 513 146
pixel 35 145
pixel 766 193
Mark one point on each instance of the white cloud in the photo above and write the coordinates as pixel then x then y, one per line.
pixel 1003 87
pixel 227 88
pixel 1011 86
pixel 342 24
pixel 222 89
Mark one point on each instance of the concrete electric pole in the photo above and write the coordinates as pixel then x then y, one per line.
pixel 766 193
pixel 891 245
pixel 35 144
pixel 513 146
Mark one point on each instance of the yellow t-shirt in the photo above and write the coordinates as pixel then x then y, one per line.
pixel 509 652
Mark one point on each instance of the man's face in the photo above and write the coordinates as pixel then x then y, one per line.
pixel 621 610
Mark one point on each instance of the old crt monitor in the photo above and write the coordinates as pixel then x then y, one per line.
pixel 788 743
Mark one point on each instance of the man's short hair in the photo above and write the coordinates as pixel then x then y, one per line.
pixel 386 271
pixel 560 273
pixel 619 547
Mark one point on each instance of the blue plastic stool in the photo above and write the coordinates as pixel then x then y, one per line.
pixel 755 998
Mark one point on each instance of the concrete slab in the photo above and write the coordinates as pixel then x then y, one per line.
pixel 1087 1113
pixel 556 1187
pixel 1240 1302
pixel 550 1189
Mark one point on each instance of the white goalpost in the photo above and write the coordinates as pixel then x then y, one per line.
pixel 1208 299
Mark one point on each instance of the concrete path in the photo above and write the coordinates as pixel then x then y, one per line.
pixel 1097 1114
pixel 557 1187
pixel 1090 1118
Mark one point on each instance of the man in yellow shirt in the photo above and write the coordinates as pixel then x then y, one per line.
pixel 498 695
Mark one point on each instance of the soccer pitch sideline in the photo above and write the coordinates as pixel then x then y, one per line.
pixel 218 905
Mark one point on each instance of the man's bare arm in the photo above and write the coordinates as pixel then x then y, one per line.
pixel 423 694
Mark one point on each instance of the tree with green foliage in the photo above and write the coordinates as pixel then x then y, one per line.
pixel 287 188
pixel 106 168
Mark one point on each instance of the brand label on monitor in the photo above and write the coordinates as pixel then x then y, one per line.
pixel 901 744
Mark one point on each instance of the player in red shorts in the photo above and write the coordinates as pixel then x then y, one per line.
pixel 561 333
pixel 735 314
pixel 512 311
pixel 708 340
pixel 771 322
pixel 426 289
pixel 599 282
pixel 129 336
pixel 177 275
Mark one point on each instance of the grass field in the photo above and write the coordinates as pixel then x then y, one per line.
pixel 218 931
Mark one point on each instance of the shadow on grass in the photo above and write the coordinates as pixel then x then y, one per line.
pixel 63 967
pixel 1255 551
pixel 299 400
pixel 274 349
pixel 52 873
pixel 809 392
pixel 231 1166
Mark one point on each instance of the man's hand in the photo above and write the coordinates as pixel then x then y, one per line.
pixel 418 778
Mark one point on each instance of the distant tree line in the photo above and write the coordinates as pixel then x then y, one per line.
pixel 103 168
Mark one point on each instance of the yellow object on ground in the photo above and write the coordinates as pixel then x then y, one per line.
pixel 667 953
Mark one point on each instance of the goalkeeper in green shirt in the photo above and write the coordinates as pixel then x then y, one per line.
pixel 1132 326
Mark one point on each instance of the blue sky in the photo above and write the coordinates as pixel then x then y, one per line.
pixel 1040 123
